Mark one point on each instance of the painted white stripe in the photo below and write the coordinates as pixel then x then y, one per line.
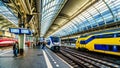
pixel 52 58
pixel 5 52
pixel 47 60
pixel 49 54
pixel 63 60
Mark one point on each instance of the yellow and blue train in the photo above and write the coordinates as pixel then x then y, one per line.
pixel 106 42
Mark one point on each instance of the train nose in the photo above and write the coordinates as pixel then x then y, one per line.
pixel 56 44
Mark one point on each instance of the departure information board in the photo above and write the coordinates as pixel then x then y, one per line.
pixel 14 30
pixel 19 31
pixel 25 31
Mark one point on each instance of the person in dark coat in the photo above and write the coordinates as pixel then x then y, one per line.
pixel 44 44
pixel 15 49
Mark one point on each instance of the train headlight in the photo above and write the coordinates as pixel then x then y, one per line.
pixel 56 44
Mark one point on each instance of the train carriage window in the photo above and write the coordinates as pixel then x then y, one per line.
pixel 105 47
pixel 110 48
pixel 105 36
pixel 115 48
pixel 98 36
pixel 118 47
pixel 108 36
pixel 72 40
pixel 101 47
pixel 118 35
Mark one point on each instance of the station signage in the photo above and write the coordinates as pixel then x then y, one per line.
pixel 25 31
pixel 20 31
pixel 14 30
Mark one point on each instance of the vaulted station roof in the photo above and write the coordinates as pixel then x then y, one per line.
pixel 68 12
pixel 63 17
pixel 81 15
pixel 50 10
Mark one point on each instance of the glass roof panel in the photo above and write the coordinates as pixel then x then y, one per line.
pixel 49 12
pixel 85 14
pixel 100 13
pixel 115 7
pixel 7 13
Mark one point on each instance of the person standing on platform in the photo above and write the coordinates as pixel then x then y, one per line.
pixel 15 49
pixel 34 45
pixel 44 44
pixel 39 44
pixel 28 44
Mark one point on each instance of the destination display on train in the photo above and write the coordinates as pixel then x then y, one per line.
pixel 19 31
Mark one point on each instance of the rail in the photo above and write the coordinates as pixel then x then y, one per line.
pixel 87 61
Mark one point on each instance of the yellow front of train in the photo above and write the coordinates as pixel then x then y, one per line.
pixel 83 46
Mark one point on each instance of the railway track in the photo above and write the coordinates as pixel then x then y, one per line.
pixel 84 61
pixel 106 57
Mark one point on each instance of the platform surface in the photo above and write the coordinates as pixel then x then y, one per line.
pixel 33 58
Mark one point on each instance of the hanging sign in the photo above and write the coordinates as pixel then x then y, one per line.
pixel 20 31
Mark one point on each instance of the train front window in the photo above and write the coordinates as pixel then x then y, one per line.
pixel 48 42
pixel 82 42
pixel 56 39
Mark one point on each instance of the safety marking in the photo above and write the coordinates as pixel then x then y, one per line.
pixel 52 58
pixel 47 60
pixel 57 65
pixel 55 62
pixel 5 52
pixel 63 60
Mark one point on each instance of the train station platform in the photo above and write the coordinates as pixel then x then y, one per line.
pixel 33 58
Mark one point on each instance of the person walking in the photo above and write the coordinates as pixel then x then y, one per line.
pixel 15 49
